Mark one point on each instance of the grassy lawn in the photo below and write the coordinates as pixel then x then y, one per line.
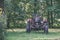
pixel 20 34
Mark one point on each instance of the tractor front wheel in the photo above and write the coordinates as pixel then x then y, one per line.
pixel 46 29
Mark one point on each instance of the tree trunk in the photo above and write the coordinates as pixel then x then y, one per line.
pixel 48 18
pixel 35 4
pixel 51 19
pixel 51 15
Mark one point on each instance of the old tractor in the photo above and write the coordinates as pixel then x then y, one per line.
pixel 37 23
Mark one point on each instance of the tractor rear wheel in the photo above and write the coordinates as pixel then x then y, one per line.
pixel 28 29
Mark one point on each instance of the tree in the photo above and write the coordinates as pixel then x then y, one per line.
pixel 1 23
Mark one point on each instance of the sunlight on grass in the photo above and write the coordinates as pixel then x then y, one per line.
pixel 58 19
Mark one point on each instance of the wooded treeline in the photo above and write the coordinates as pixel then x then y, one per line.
pixel 18 11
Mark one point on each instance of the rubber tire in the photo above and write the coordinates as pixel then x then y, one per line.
pixel 46 29
pixel 28 29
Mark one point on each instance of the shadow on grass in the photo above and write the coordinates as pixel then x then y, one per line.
pixel 33 32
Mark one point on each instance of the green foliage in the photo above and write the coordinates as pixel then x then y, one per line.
pixel 20 10
pixel 1 32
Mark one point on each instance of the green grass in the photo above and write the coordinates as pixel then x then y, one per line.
pixel 22 35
